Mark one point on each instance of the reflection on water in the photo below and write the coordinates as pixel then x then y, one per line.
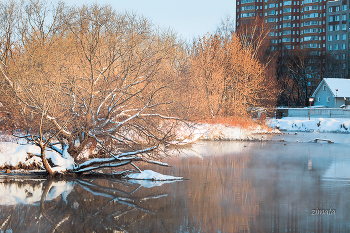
pixel 231 187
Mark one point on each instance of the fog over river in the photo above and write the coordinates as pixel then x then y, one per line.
pixel 286 184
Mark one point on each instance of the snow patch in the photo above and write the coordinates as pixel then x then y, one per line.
pixel 12 154
pixel 151 183
pixel 151 175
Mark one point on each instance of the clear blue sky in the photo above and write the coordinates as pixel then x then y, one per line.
pixel 189 18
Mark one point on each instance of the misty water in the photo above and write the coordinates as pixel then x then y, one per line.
pixel 283 185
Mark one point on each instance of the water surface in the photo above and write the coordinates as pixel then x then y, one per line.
pixel 278 186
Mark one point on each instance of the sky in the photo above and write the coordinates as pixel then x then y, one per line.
pixel 189 18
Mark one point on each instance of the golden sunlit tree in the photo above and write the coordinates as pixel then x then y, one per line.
pixel 88 75
pixel 227 70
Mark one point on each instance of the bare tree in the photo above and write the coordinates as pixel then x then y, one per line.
pixel 228 71
pixel 91 75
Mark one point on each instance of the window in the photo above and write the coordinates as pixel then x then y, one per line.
pixel 311 8
pixel 336 37
pixel 336 27
pixel 328 99
pixel 311 15
pixel 313 45
pixel 330 47
pixel 336 57
pixel 309 23
pixel 337 8
pixel 330 19
pixel 324 87
pixel 287 10
pixel 287 17
pixel 308 38
pixel 310 30
pixel 247 8
pixel 247 1
pixel 272 5
pixel 330 38
pixel 245 15
pixel 343 7
pixel 272 19
pixel 330 28
pixel 286 32
pixel 330 9
pixel 343 27
pixel 336 47
pixel 286 39
pixel 318 99
pixel 286 25
pixel 343 46
pixel 336 17
pixel 343 55
pixel 343 17
pixel 343 36
pixel 287 3
pixel 272 12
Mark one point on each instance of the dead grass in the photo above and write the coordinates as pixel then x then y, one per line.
pixel 242 122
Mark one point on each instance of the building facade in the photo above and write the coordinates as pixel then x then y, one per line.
pixel 293 24
pixel 319 26
pixel 337 35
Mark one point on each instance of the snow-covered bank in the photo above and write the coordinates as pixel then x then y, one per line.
pixel 339 125
pixel 13 154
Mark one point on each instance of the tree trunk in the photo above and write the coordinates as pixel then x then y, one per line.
pixel 45 162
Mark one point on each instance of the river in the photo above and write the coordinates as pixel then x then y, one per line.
pixel 287 184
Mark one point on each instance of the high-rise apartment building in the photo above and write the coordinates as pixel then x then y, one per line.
pixel 318 26
pixel 337 35
pixel 293 24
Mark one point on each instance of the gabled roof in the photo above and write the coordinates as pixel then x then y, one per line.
pixel 340 84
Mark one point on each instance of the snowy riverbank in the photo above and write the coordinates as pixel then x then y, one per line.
pixel 14 153
pixel 337 125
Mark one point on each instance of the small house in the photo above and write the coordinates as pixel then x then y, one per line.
pixel 332 93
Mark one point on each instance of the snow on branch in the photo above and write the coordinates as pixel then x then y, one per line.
pixel 103 166
pixel 114 159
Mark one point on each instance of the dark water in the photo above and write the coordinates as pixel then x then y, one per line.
pixel 231 187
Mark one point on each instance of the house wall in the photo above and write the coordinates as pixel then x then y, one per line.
pixel 324 94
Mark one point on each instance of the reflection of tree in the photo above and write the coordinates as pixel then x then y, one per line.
pixel 222 199
pixel 238 207
pixel 94 205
